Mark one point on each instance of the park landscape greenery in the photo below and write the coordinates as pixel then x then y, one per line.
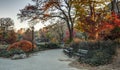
pixel 90 25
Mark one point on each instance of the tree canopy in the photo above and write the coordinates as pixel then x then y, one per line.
pixel 6 23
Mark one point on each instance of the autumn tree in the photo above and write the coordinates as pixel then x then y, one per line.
pixel 114 33
pixel 6 25
pixel 47 9
pixel 91 16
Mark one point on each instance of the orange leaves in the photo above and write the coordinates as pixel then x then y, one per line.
pixel 47 5
pixel 94 28
pixel 50 3
pixel 115 19
pixel 46 15
pixel 114 15
pixel 23 45
pixel 106 25
pixel 116 22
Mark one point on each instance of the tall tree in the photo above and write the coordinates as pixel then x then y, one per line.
pixel 47 9
pixel 31 13
pixel 90 15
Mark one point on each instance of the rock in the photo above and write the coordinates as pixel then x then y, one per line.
pixel 23 56
pixel 19 56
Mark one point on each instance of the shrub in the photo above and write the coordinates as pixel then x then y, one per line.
pixel 4 53
pixel 48 46
pixel 7 54
pixel 24 45
pixel 114 34
pixel 16 51
pixel 41 46
pixel 52 46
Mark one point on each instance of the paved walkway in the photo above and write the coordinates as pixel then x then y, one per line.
pixel 44 60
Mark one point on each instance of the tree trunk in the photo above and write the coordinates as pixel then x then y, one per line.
pixel 70 35
pixel 96 36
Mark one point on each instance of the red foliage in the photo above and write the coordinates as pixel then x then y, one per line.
pixel 24 45
pixel 115 19
pixel 106 26
pixel 113 22
pixel 46 15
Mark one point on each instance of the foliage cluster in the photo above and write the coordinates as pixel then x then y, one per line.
pixel 24 45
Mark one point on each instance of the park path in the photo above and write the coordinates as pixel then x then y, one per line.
pixel 44 60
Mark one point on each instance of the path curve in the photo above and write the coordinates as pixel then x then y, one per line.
pixel 44 60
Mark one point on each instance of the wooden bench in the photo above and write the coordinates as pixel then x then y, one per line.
pixel 81 53
pixel 68 51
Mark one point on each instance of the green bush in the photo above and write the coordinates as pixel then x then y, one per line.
pixel 7 54
pixel 117 41
pixel 40 46
pixel 4 53
pixel 16 51
pixel 52 46
pixel 48 46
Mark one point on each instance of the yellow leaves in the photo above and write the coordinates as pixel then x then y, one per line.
pixel 108 16
pixel 79 26
pixel 94 18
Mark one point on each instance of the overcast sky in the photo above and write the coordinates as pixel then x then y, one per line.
pixel 10 8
